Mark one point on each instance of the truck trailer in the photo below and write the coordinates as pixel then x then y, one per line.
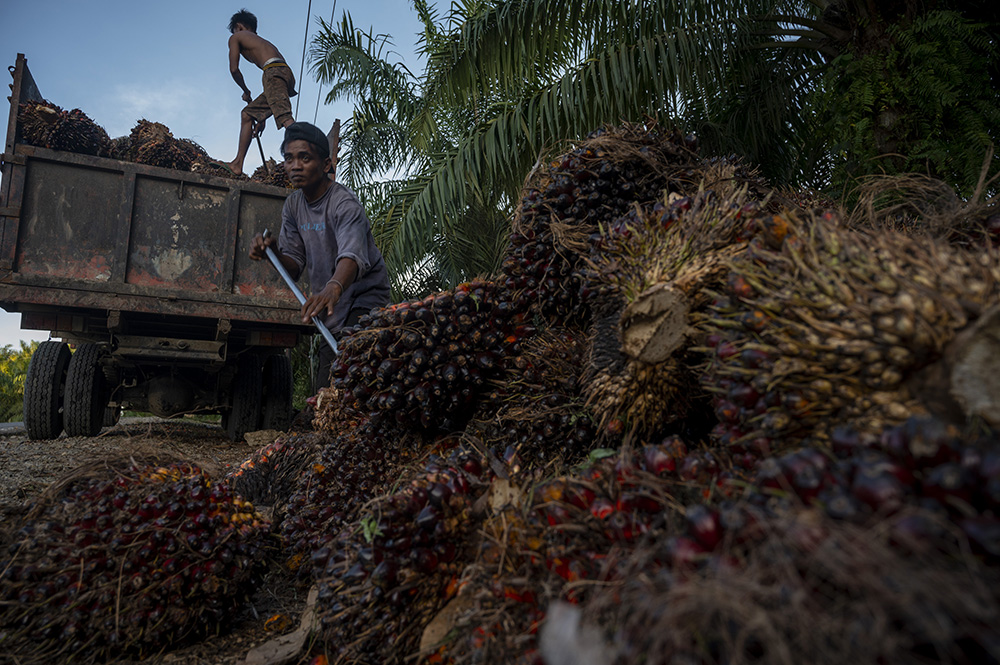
pixel 141 276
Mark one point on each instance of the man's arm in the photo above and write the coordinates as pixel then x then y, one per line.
pixel 234 66
pixel 258 252
pixel 343 276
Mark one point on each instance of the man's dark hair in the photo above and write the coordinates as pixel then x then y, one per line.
pixel 311 134
pixel 244 17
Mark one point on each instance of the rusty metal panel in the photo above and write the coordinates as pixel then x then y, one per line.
pixel 22 90
pixel 257 278
pixel 69 222
pixel 177 239
pixel 263 311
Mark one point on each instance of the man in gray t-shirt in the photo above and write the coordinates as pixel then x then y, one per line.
pixel 324 229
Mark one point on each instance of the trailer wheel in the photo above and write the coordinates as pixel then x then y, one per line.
pixel 112 414
pixel 244 410
pixel 86 398
pixel 44 387
pixel 276 401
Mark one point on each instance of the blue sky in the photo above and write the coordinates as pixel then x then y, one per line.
pixel 120 61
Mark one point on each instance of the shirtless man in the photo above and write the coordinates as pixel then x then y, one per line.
pixel 278 80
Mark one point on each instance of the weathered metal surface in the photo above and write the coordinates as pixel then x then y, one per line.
pixel 69 222
pixel 166 348
pixel 20 297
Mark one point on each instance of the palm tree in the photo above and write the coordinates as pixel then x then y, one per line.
pixel 508 83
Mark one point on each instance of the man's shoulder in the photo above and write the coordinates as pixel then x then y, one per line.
pixel 343 193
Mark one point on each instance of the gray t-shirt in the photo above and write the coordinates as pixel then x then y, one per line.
pixel 320 233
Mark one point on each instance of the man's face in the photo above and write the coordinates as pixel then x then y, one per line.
pixel 305 168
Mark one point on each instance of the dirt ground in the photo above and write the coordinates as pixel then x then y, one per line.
pixel 28 467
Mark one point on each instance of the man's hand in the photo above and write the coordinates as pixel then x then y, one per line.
pixel 325 299
pixel 258 128
pixel 258 245
pixel 246 96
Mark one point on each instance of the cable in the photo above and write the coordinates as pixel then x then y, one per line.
pixel 333 15
pixel 302 66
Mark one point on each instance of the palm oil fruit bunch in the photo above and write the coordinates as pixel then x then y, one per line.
pixel 651 274
pixel 358 465
pixel 333 413
pixel 121 148
pixel 592 185
pixel 798 585
pixel 535 414
pixel 272 174
pixel 503 597
pixel 268 477
pixel 662 489
pixel 398 564
pixel 130 557
pixel 951 473
pixel 819 325
pixel 425 361
pixel 914 477
pixel 572 534
pixel 46 125
pixel 152 143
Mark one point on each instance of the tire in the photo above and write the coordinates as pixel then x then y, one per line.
pixel 276 400
pixel 44 388
pixel 112 414
pixel 244 409
pixel 86 396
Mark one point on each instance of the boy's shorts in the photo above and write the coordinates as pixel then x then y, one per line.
pixel 279 86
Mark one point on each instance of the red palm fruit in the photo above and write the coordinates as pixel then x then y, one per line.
pixel 656 460
pixel 744 395
pixel 727 412
pixel 704 525
pixel 807 483
pixel 580 496
pixel 615 427
pixel 771 475
pixel 556 514
pixel 683 553
pixel 739 286
pixel 930 441
pixel 601 508
pixel 948 483
pixel 878 489
pixel 699 467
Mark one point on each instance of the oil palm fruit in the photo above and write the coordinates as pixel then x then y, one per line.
pixel 564 204
pixel 152 143
pixel 651 273
pixel 357 465
pixel 534 414
pixel 424 362
pixel 47 125
pixel 268 476
pixel 127 557
pixel 392 569
pixel 820 326
pixel 272 174
pixel 570 535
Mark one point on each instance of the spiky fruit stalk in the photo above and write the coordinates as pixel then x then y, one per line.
pixel 830 324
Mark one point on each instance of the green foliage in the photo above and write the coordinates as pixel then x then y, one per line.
pixel 813 92
pixel 505 86
pixel 304 362
pixel 13 370
pixel 920 100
